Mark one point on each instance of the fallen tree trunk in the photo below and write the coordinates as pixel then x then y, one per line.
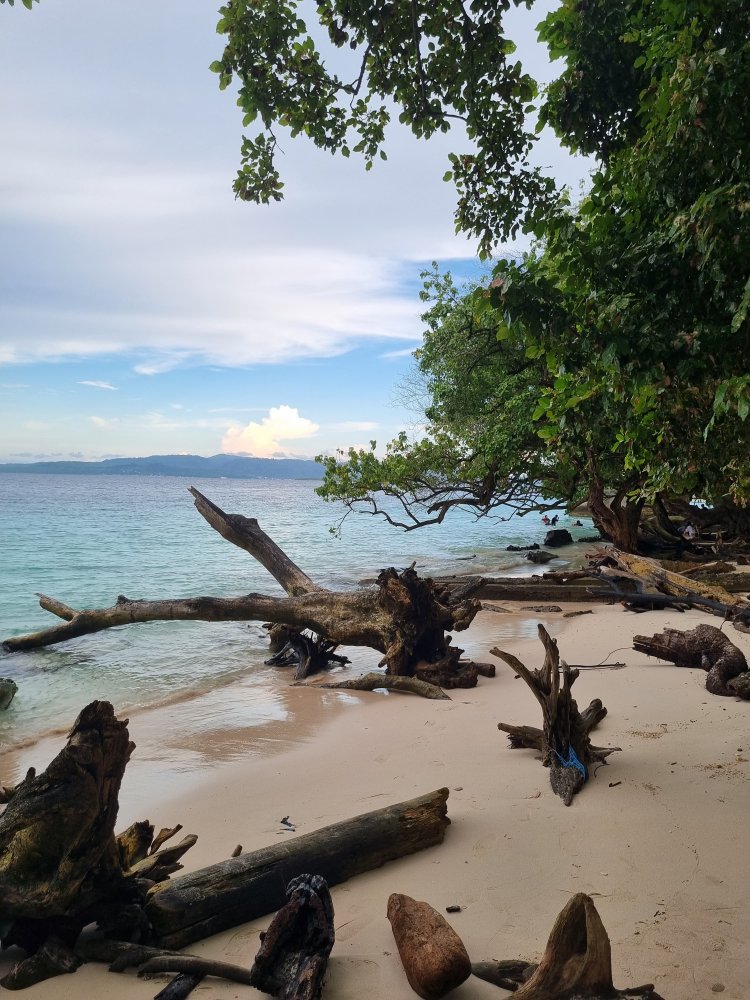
pixel 705 647
pixel 564 739
pixel 404 617
pixel 373 681
pixel 240 889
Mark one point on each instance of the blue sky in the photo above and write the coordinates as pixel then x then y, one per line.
pixel 145 311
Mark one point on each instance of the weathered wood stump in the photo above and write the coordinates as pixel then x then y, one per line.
pixel 704 646
pixel 432 954
pixel 577 962
pixel 564 739
pixel 293 956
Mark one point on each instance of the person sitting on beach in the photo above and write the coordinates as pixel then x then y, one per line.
pixel 689 531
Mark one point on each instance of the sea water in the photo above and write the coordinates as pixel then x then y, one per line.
pixel 87 539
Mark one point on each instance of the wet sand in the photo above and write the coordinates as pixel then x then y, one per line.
pixel 656 837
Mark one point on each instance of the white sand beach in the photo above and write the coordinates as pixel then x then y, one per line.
pixel 657 837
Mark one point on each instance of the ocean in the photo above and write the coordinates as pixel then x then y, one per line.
pixel 87 539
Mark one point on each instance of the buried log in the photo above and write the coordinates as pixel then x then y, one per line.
pixel 404 617
pixel 251 885
pixel 433 956
pixel 577 962
pixel 564 739
pixel 706 647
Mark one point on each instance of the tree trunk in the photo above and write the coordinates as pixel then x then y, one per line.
pixel 404 617
pixel 58 853
pixel 564 741
pixel 240 889
pixel 617 518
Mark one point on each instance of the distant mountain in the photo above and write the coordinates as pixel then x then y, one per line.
pixel 195 466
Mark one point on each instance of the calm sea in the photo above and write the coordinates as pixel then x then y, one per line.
pixel 87 539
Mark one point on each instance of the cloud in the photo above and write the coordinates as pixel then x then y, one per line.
pixel 104 422
pixel 98 385
pixel 264 439
pixel 14 385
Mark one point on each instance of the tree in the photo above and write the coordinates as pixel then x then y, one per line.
pixel 482 448
pixel 635 301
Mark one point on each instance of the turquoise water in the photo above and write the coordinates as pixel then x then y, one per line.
pixel 85 540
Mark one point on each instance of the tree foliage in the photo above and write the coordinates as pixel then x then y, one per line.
pixel 339 85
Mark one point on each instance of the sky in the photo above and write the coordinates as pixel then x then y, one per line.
pixel 143 310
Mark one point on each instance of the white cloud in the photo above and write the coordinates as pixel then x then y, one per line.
pixel 265 439
pixel 105 422
pixel 98 385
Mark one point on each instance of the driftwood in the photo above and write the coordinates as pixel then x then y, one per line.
pixel 509 973
pixel 293 956
pixel 705 647
pixel 57 843
pixel 373 681
pixel 403 617
pixel 577 962
pixel 240 889
pixel 433 956
pixel 564 739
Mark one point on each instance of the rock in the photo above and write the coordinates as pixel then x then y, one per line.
pixel 522 548
pixel 8 690
pixel 539 556
pixel 557 537
pixel 433 955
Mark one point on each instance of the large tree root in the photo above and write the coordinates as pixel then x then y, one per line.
pixel 705 647
pixel 564 739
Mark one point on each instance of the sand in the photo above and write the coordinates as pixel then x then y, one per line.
pixel 656 837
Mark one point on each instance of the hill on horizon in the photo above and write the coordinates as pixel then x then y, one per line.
pixel 214 467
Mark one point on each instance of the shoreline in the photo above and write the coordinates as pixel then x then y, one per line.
pixel 655 837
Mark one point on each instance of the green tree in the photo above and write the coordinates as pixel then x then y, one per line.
pixel 634 304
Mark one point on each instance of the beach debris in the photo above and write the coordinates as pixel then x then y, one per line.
pixel 293 957
pixel 657 587
pixel 564 739
pixel 237 890
pixel 285 821
pixel 706 647
pixel 373 681
pixel 508 974
pixel 543 608
pixel 453 908
pixel 433 956
pixel 63 869
pixel 576 614
pixel 576 963
pixel 540 556
pixel 404 617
